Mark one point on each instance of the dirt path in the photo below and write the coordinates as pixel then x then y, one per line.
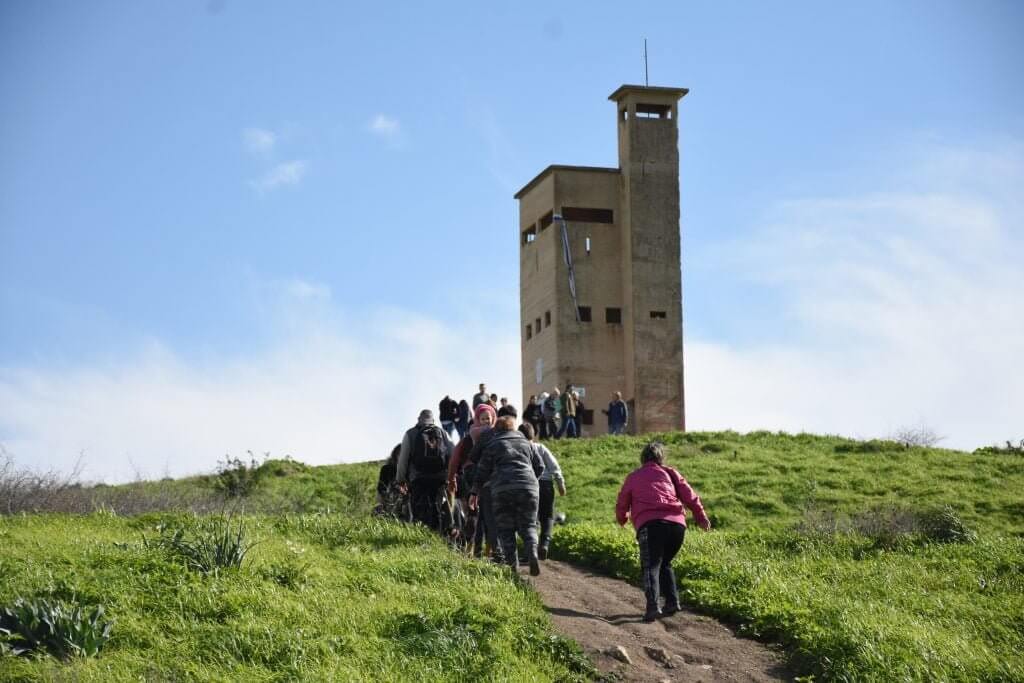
pixel 601 613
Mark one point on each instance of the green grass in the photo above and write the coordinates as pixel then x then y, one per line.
pixel 328 593
pixel 320 597
pixel 848 606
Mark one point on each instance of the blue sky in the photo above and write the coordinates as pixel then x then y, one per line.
pixel 285 227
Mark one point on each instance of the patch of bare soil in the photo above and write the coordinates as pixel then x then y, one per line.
pixel 602 614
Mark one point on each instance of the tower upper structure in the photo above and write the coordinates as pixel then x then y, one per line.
pixel 600 270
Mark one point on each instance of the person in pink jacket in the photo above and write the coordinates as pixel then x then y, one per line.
pixel 653 497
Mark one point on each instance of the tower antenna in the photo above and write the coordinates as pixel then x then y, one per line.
pixel 646 82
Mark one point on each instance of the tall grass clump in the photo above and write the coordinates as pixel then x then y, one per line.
pixel 214 544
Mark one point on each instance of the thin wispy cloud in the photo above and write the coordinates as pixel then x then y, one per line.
pixel 259 141
pixel 288 173
pixel 903 308
pixel 386 127
pixel 334 387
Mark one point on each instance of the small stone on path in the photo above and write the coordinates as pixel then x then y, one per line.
pixel 659 655
pixel 618 652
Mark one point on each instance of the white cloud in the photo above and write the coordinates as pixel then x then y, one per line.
pixel 259 141
pixel 905 309
pixel 329 391
pixel 281 175
pixel 306 291
pixel 386 127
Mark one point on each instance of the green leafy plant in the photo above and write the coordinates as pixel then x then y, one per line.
pixel 62 630
pixel 216 544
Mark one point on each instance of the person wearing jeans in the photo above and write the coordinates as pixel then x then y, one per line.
pixel 654 497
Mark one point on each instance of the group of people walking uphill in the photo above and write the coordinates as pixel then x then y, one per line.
pixel 498 483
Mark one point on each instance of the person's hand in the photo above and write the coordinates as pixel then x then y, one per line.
pixel 472 502
pixel 404 488
pixel 705 524
pixel 452 488
pixel 561 489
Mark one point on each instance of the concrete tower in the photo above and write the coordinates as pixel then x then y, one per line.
pixel 622 230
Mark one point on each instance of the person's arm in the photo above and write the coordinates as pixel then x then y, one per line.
pixel 622 504
pixel 402 471
pixel 689 498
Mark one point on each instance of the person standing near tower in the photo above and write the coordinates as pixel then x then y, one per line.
pixel 618 414
pixel 481 396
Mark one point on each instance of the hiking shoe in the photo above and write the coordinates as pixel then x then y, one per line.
pixel 651 614
pixel 534 566
pixel 542 552
pixel 671 609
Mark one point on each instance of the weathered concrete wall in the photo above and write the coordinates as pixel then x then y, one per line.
pixel 633 264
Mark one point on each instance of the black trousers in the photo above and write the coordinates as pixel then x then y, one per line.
pixel 423 495
pixel 659 542
pixel 546 511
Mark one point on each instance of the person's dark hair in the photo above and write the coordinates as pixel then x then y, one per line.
pixel 527 429
pixel 653 452
pixel 505 424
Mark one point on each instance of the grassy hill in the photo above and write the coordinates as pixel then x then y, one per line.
pixel 868 561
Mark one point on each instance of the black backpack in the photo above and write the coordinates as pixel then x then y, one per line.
pixel 430 450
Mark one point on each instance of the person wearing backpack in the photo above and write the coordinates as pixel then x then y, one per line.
pixel 510 465
pixel 422 466
pixel 653 497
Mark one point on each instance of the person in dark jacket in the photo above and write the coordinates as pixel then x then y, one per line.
pixel 653 497
pixel 550 407
pixel 463 418
pixel 447 412
pixel 533 416
pixel 511 466
pixel 618 414
pixel 507 408
pixel 424 486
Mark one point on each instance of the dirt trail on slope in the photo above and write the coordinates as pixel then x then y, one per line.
pixel 601 613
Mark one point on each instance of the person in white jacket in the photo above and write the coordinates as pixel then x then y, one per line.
pixel 550 479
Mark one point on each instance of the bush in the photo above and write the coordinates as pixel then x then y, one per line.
pixel 236 478
pixel 62 630
pixel 872 446
pixel 1010 449
pixel 889 526
pixel 215 545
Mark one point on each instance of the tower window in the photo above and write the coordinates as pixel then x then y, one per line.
pixel 613 315
pixel 658 315
pixel 547 318
pixel 546 219
pixel 529 331
pixel 588 245
pixel 536 324
pixel 529 235
pixel 653 111
pixel 581 214
pixel 584 314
